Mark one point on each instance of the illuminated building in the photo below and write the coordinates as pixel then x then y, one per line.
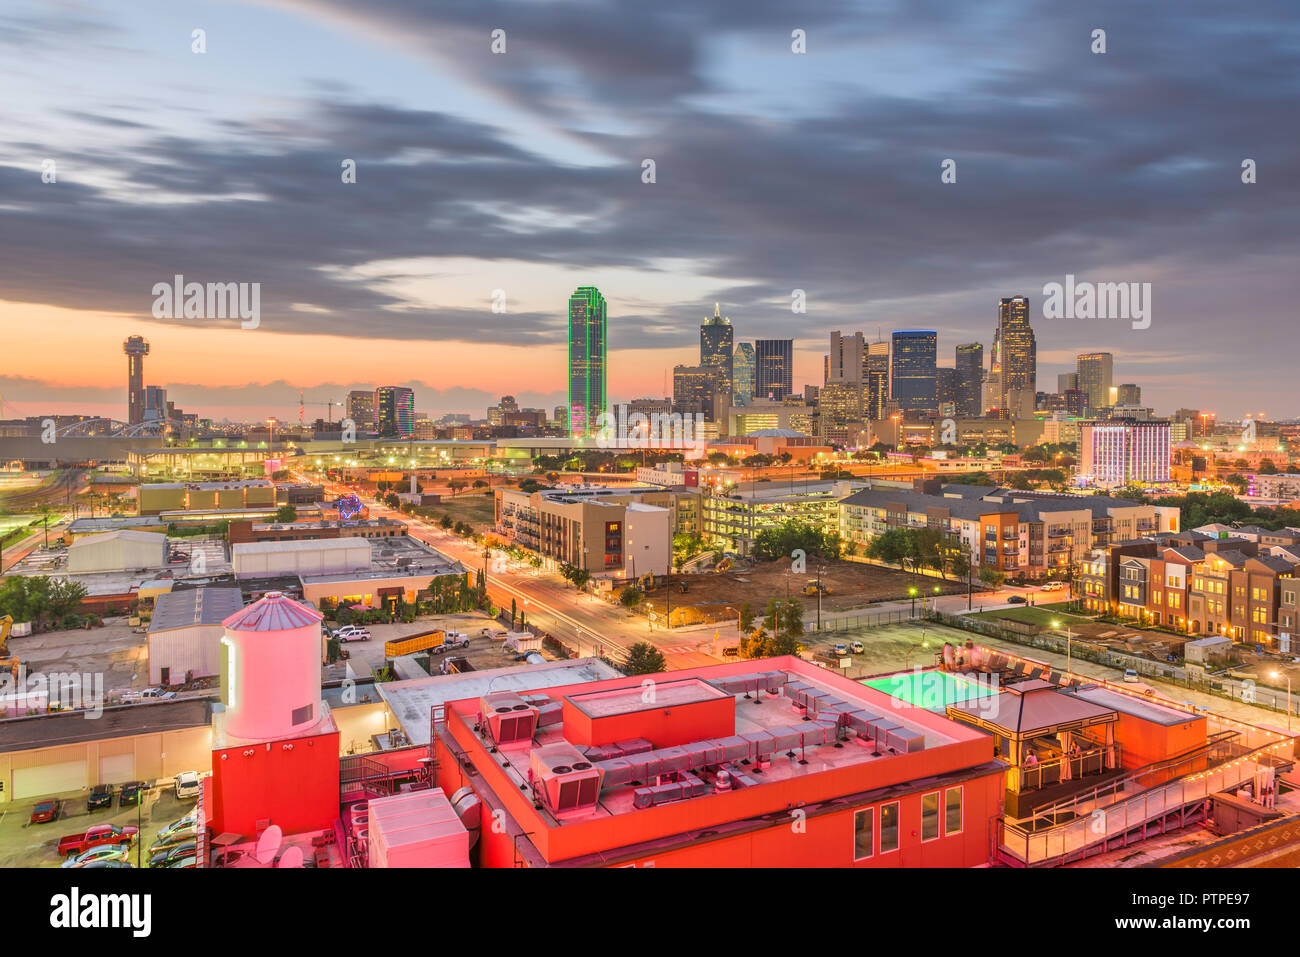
pixel 716 337
pixel 588 345
pixel 136 348
pixel 742 367
pixel 1095 371
pixel 773 368
pixel 912 374
pixel 394 411
pixel 1119 451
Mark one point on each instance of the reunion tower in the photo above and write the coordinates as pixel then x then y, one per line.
pixel 136 348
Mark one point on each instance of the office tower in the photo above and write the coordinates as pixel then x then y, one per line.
pixel 773 368
pixel 155 404
pixel 699 389
pixel 839 406
pixel 875 381
pixel 361 410
pixel 912 374
pixel 1128 394
pixel 1067 381
pixel 561 416
pixel 587 359
pixel 394 411
pixel 136 348
pixel 742 370
pixel 945 390
pixel 1095 371
pixel 845 362
pixel 1015 349
pixel 970 379
pixel 497 413
pixel 1119 451
pixel 716 341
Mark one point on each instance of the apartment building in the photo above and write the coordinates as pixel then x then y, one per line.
pixel 609 532
pixel 1034 534
pixel 732 517
pixel 1200 585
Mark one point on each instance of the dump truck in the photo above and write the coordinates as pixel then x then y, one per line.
pixel 411 644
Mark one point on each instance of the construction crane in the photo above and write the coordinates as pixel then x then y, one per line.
pixel 302 409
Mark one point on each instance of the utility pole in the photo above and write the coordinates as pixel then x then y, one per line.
pixel 819 594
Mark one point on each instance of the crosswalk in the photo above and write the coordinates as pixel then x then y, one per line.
pixel 685 649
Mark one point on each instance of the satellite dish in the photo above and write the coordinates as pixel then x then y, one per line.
pixel 292 857
pixel 268 845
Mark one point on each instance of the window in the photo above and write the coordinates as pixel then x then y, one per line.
pixel 930 816
pixel 864 823
pixel 888 827
pixel 952 825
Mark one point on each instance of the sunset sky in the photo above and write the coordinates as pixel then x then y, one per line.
pixel 522 172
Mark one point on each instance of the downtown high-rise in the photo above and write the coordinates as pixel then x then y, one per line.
pixel 394 411
pixel 742 370
pixel 588 352
pixel 1016 353
pixel 716 352
pixel 970 376
pixel 912 371
pixel 136 348
pixel 773 368
pixel 875 380
pixel 1096 371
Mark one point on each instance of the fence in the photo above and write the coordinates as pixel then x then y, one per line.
pixel 838 622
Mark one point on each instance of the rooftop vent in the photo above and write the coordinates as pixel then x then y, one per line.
pixel 510 719
pixel 566 782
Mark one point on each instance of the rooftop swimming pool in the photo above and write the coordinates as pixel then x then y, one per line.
pixel 932 690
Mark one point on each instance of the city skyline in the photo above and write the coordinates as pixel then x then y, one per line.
pixel 525 177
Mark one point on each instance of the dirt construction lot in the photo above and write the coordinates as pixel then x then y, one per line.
pixel 851 585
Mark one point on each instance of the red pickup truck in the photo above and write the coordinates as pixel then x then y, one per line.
pixel 98 835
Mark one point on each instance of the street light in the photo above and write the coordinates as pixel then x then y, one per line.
pixel 1288 696
pixel 1068 637
pixel 912 592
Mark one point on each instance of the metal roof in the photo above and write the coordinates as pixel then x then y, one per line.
pixel 195 606
pixel 275 612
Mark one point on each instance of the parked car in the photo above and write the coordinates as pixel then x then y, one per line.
pixel 108 863
pixel 157 694
pixel 858 647
pixel 187 785
pixel 841 648
pixel 101 795
pixel 191 861
pixel 168 856
pixel 186 822
pixel 352 633
pixel 95 836
pixel 1017 600
pixel 129 796
pixel 46 811
pixel 180 836
pixel 105 852
pixel 1053 586
pixel 1130 675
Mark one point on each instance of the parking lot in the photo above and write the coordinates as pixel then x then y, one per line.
pixel 23 844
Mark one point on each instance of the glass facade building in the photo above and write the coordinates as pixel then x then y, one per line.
pixel 587 360
pixel 912 377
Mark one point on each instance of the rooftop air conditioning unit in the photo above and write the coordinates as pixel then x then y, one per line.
pixel 510 720
pixel 563 777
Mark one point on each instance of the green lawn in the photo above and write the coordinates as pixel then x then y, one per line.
pixel 1033 616
pixel 470 506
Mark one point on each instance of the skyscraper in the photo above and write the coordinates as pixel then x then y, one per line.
pixel 742 368
pixel 136 348
pixel 945 389
pixel 773 368
pixel 912 373
pixel 361 410
pixel 1014 349
pixel 845 362
pixel 970 378
pixel 1128 394
pixel 587 355
pixel 1067 381
pixel 394 411
pixel 875 380
pixel 716 340
pixel 1095 373
pixel 699 389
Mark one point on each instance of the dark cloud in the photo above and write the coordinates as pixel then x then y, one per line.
pixel 1124 166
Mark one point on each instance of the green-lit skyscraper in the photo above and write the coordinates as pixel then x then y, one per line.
pixel 587 354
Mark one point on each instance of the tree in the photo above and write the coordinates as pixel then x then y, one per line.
pixel 959 565
pixel 780 541
pixel 446 522
pixel 745 618
pixel 644 658
pixel 65 596
pixel 286 514
pixel 631 596
pixel 991 576
pixel 391 500
pixel 1266 467
pixel 456 485
pixel 894 547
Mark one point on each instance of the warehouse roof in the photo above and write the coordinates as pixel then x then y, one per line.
pixel 125 535
pixel 195 606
